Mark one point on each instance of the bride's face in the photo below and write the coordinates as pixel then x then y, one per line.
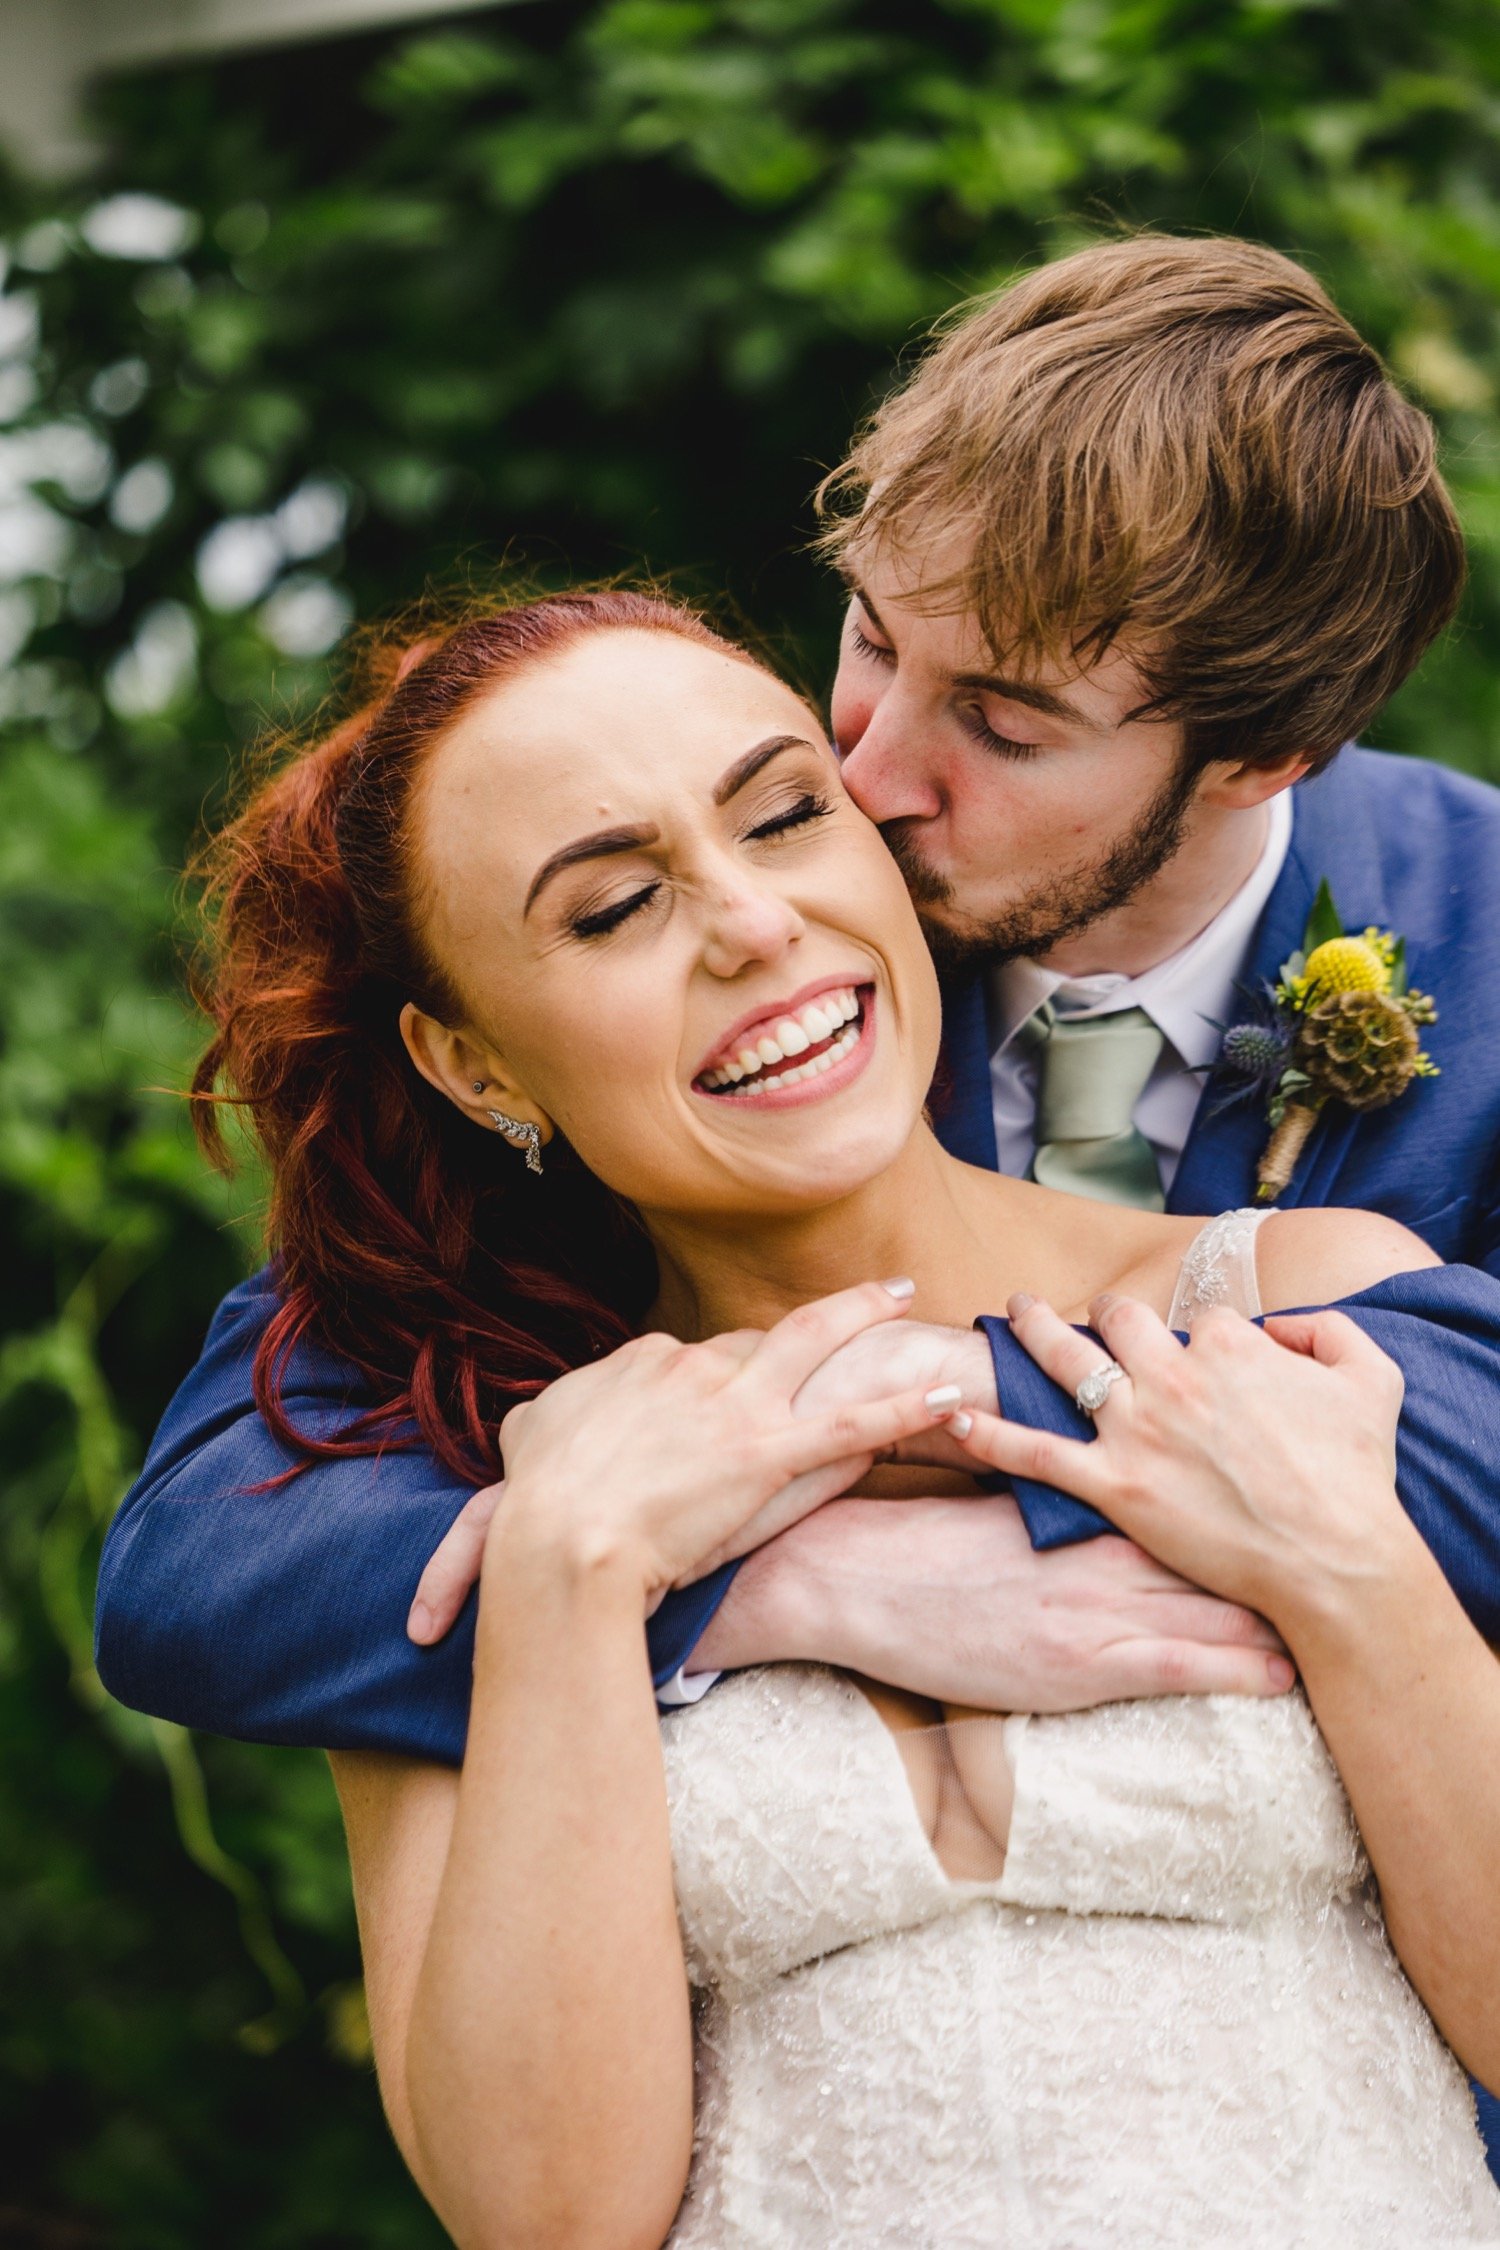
pixel 676 939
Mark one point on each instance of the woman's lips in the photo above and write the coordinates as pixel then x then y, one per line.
pixel 826 1067
pixel 765 1037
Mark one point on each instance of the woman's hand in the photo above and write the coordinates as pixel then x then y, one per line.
pixel 683 1456
pixel 877 1363
pixel 1259 1465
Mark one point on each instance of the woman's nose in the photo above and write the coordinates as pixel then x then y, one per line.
pixel 747 922
pixel 890 770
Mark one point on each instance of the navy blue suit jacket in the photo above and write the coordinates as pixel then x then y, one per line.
pixel 279 1615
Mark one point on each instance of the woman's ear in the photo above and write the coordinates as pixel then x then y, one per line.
pixel 471 1075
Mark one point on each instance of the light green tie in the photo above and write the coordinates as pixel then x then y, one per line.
pixel 1091 1072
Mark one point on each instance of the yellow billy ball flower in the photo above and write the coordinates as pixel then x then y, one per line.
pixel 1345 964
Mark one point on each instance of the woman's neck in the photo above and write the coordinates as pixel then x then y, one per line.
pixel 926 1216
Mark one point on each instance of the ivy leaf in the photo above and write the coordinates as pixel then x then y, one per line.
pixel 1324 922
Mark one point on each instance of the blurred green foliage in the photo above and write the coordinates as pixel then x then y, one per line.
pixel 596 283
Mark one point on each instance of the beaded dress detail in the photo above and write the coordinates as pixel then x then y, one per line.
pixel 1173 2021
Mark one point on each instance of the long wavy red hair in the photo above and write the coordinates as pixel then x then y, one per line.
pixel 452 1280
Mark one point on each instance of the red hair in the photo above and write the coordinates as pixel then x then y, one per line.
pixel 452 1279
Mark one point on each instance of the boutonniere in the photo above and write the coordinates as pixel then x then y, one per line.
pixel 1340 1024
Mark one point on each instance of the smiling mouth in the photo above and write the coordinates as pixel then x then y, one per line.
pixel 793 1049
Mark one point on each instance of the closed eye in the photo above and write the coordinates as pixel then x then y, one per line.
pixel 974 722
pixel 867 647
pixel 808 807
pixel 607 918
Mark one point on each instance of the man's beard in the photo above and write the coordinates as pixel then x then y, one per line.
pixel 1043 918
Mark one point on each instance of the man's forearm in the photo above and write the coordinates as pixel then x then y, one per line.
pixel 947 1599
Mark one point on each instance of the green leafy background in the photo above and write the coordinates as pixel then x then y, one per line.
pixel 593 285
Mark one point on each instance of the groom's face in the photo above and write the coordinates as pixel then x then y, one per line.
pixel 1023 807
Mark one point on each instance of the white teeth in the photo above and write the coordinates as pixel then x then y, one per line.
pixel 793 1036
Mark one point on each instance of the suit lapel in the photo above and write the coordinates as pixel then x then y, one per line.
pixel 962 1105
pixel 1332 835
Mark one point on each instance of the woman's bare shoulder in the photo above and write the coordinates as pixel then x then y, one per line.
pixel 1311 1257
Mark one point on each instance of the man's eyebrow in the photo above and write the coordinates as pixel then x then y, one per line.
pixel 745 769
pixel 601 845
pixel 854 587
pixel 1044 700
pixel 1051 705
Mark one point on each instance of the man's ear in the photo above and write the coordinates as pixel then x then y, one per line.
pixel 471 1075
pixel 1238 786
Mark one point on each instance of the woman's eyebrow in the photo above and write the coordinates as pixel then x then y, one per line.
pixel 606 841
pixel 603 843
pixel 746 768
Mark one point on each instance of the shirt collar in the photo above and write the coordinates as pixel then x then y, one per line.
pixel 1182 995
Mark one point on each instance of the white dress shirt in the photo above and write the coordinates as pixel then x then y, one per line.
pixel 1182 996
pixel 1188 997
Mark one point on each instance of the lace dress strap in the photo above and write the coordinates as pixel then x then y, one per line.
pixel 1219 1269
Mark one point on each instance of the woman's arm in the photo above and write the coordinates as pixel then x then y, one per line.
pixel 528 1989
pixel 1262 1466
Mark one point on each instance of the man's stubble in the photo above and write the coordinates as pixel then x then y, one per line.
pixel 1049 914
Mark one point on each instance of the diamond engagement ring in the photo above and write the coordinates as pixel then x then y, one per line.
pixel 1095 1389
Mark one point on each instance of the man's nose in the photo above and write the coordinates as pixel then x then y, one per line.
pixel 888 771
pixel 747 922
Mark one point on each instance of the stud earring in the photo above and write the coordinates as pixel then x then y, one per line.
pixel 520 1135
pixel 479 1085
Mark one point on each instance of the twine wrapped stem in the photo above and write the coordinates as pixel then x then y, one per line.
pixel 1284 1148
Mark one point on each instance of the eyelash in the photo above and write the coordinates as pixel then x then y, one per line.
pixel 1001 745
pixel 809 807
pixel 867 647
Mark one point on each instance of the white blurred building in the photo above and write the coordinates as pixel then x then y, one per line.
pixel 51 49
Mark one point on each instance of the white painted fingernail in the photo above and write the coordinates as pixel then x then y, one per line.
pixel 901 1289
pixel 960 1424
pixel 939 1401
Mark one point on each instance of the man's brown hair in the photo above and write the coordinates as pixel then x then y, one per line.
pixel 1181 445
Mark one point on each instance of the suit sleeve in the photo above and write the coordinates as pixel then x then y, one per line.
pixel 275 1611
pixel 1441 1326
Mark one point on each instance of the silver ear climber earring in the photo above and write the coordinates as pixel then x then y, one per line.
pixel 520 1135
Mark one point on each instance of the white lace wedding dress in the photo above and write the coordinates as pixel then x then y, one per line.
pixel 1174 2021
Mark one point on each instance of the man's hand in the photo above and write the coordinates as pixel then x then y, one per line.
pixel 948 1599
pixel 902 1356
